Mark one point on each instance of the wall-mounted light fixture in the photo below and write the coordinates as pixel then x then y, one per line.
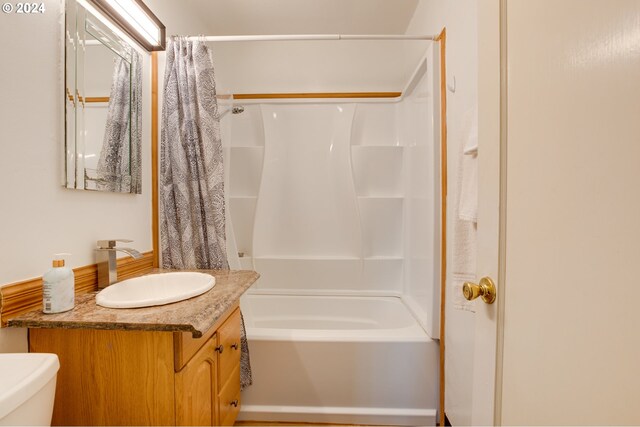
pixel 137 20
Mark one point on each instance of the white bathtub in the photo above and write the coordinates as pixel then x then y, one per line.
pixel 338 359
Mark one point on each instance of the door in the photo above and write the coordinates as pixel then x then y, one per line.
pixel 471 337
pixel 571 337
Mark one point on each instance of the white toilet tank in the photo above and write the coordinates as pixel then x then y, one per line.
pixel 27 388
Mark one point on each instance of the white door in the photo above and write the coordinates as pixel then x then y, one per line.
pixel 471 338
pixel 571 320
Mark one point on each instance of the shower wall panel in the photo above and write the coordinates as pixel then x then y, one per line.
pixel 307 207
pixel 323 202
pixel 420 125
pixel 243 142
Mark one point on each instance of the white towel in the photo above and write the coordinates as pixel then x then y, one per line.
pixel 466 215
pixel 468 202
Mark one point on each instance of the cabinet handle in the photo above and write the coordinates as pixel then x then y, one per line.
pixel 220 348
pixel 234 403
pixel 234 346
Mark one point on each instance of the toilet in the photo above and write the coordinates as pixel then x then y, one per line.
pixel 27 388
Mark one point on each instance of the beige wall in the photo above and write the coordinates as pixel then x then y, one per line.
pixel 38 216
pixel 571 337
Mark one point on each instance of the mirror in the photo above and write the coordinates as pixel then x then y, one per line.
pixel 102 98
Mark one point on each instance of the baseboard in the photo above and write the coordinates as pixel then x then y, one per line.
pixel 338 415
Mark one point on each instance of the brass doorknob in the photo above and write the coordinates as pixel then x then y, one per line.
pixel 486 289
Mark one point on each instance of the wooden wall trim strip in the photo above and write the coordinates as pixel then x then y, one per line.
pixel 317 95
pixel 90 98
pixel 155 224
pixel 442 39
pixel 96 99
pixel 21 297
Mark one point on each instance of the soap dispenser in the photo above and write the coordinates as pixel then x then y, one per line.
pixel 58 289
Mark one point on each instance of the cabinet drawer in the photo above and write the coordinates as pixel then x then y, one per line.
pixel 229 343
pixel 229 399
pixel 185 346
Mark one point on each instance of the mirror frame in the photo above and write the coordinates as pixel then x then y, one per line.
pixel 78 19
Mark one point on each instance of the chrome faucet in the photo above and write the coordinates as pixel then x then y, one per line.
pixel 106 260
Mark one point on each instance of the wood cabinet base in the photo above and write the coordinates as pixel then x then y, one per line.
pixel 113 377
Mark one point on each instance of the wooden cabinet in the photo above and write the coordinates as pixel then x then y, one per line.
pixel 115 377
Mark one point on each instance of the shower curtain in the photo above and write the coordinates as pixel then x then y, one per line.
pixel 119 166
pixel 192 234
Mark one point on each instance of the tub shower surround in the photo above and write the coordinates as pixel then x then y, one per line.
pixel 337 205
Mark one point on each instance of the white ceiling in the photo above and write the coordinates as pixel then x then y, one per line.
pixel 312 66
pixel 234 17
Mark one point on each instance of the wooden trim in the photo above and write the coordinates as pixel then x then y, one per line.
pixel 21 297
pixel 442 39
pixel 88 99
pixel 96 99
pixel 317 95
pixel 154 161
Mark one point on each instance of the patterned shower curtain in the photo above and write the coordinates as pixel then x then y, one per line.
pixel 192 234
pixel 119 166
pixel 192 178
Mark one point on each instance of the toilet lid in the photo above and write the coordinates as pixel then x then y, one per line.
pixel 22 375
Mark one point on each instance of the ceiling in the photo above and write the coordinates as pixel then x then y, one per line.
pixel 236 17
pixel 311 66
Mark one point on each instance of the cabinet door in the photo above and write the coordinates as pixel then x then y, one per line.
pixel 196 389
pixel 229 340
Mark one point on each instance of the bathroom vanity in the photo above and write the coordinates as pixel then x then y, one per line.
pixel 177 364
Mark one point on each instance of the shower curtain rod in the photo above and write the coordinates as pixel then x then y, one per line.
pixel 295 37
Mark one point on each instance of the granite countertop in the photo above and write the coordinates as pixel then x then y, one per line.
pixel 195 315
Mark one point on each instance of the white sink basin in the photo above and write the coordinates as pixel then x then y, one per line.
pixel 155 289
